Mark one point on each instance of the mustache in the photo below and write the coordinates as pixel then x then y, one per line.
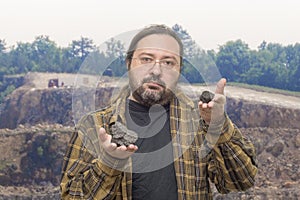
pixel 154 79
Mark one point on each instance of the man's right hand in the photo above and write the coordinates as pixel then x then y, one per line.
pixel 121 152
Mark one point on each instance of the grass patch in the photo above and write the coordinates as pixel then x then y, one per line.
pixel 3 165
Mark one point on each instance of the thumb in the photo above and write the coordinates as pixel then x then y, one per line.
pixel 220 86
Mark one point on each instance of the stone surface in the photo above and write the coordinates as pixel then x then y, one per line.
pixel 206 96
pixel 32 105
pixel 122 136
pixel 37 122
pixel 31 158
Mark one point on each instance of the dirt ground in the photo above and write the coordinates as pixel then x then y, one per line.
pixel 279 172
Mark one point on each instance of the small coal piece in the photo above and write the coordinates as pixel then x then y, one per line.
pixel 122 136
pixel 206 96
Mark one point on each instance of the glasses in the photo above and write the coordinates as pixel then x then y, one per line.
pixel 149 62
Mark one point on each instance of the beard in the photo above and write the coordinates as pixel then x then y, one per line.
pixel 151 96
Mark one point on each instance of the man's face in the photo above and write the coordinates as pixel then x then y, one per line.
pixel 154 69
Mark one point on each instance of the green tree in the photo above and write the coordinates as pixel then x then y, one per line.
pixel 190 48
pixel 82 47
pixel 115 57
pixel 45 54
pixel 9 89
pixel 22 58
pixel 4 59
pixel 257 64
pixel 262 46
pixel 2 46
pixel 69 63
pixel 114 48
pixel 197 64
pixel 233 60
pixel 78 51
pixel 293 63
pixel 278 68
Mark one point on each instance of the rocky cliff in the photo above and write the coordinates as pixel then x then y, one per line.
pixel 31 158
pixel 54 105
pixel 36 123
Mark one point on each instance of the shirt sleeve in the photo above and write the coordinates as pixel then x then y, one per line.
pixel 232 165
pixel 84 175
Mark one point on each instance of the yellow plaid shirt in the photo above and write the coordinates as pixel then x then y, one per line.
pixel 87 171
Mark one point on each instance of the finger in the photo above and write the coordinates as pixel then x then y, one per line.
pixel 204 106
pixel 219 99
pixel 102 134
pixel 220 86
pixel 121 148
pixel 200 104
pixel 111 147
pixel 105 140
pixel 210 104
pixel 132 148
pixel 206 116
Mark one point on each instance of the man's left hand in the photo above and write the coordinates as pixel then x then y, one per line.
pixel 213 111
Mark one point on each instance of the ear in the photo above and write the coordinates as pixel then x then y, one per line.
pixel 128 63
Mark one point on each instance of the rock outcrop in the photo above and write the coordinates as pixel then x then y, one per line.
pixel 60 105
pixel 36 124
pixel 31 159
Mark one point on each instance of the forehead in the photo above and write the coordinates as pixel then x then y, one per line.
pixel 159 42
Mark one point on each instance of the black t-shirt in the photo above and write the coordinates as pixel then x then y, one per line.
pixel 153 174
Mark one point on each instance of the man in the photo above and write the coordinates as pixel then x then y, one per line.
pixel 177 152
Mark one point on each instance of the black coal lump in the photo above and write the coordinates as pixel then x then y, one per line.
pixel 121 135
pixel 206 96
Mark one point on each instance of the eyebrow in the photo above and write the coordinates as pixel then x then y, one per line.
pixel 152 55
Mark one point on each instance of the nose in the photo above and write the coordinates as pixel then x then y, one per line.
pixel 156 69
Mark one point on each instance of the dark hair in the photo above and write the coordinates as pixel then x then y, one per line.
pixel 150 30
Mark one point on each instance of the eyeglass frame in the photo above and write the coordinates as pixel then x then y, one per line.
pixel 159 61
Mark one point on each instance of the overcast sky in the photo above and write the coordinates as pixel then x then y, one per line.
pixel 211 23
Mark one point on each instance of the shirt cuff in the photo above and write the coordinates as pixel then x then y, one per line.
pixel 220 133
pixel 110 165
